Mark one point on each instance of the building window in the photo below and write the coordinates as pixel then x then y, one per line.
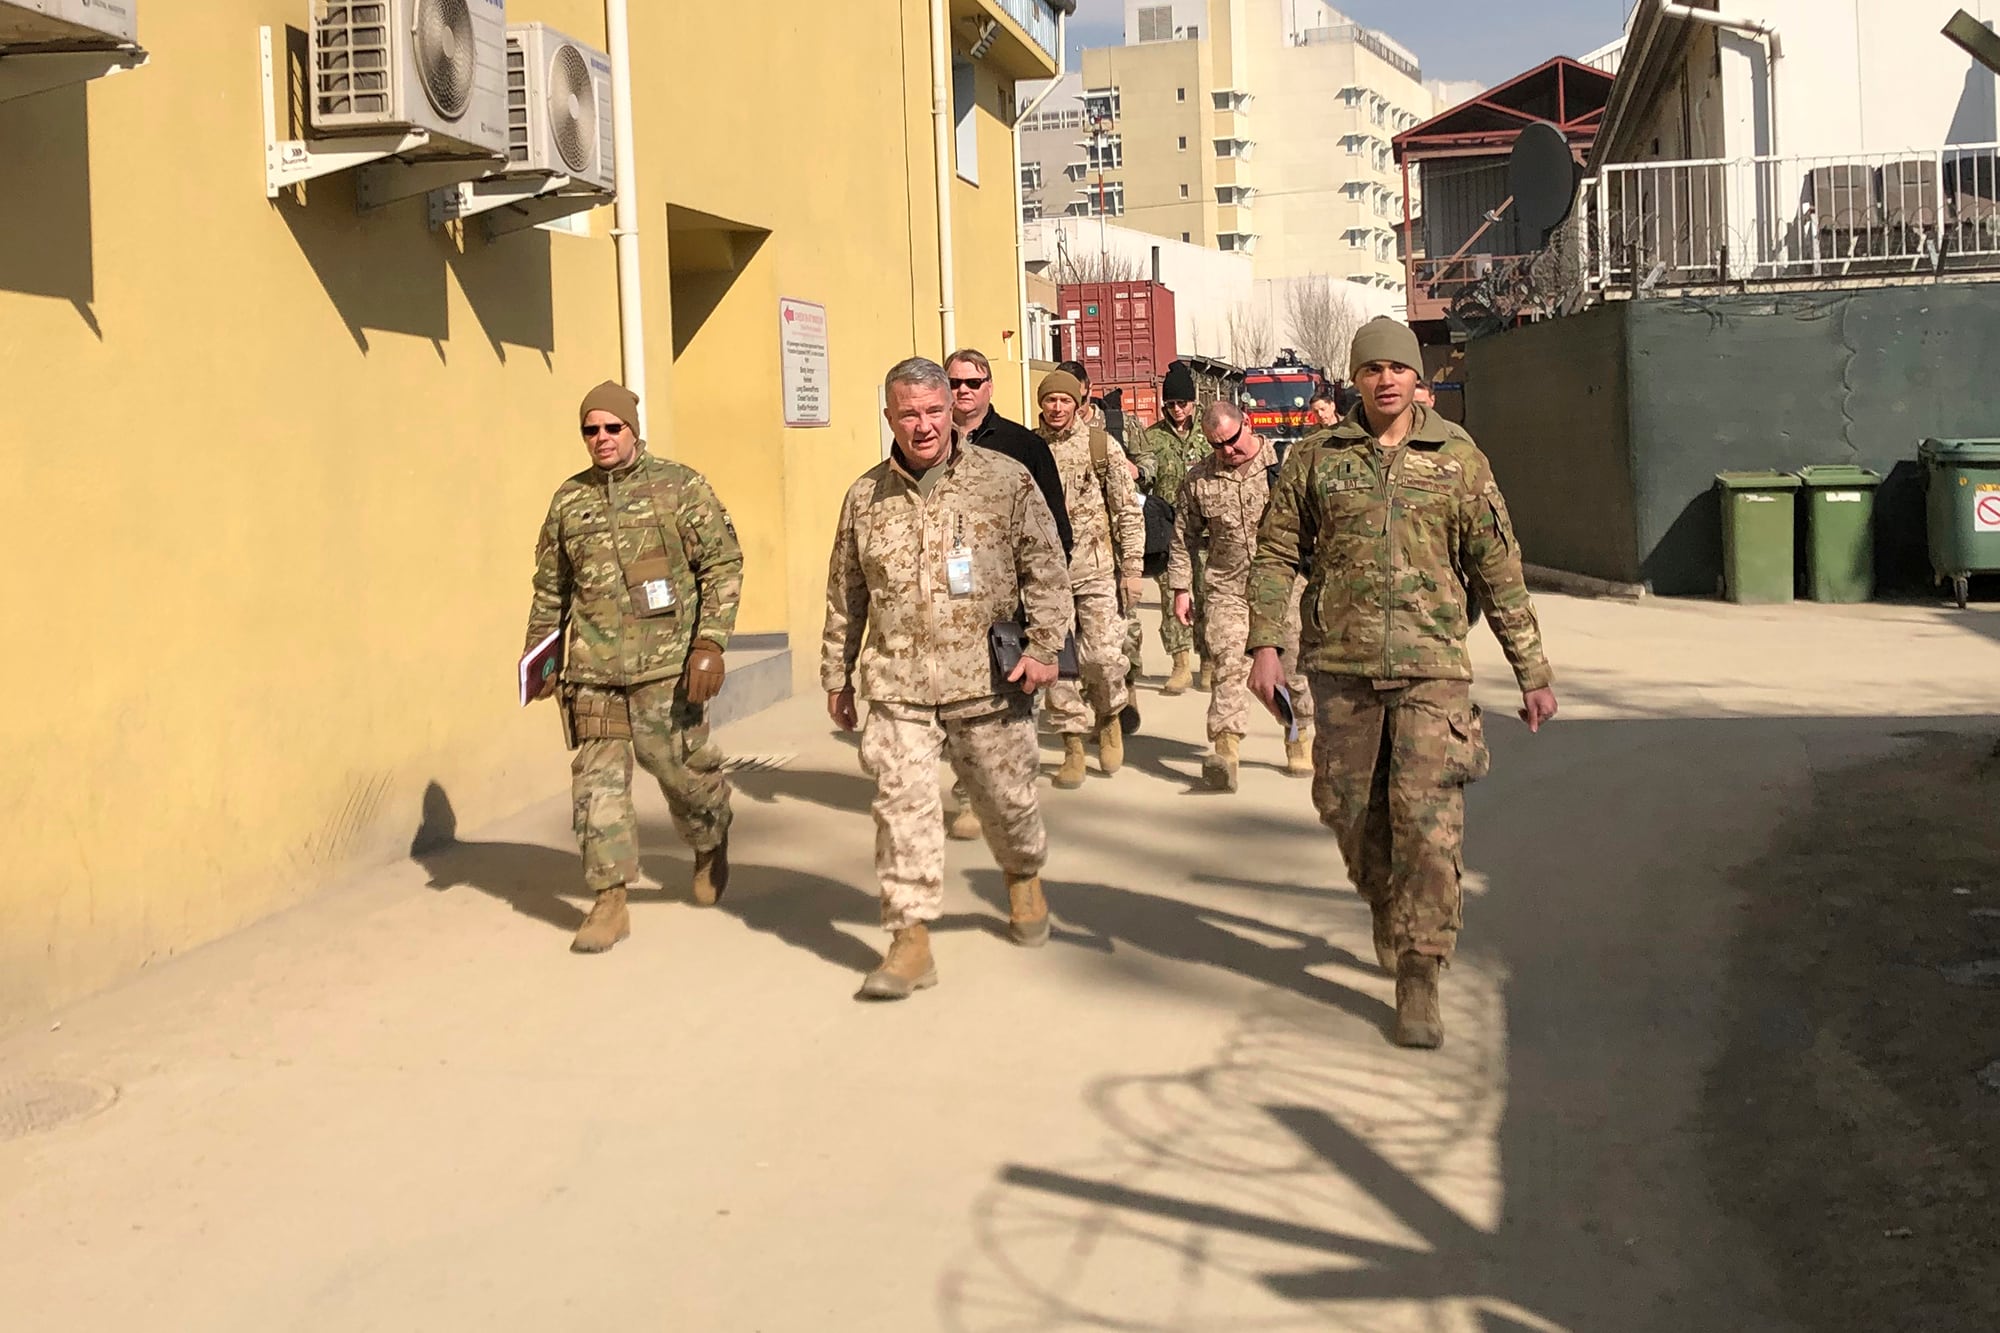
pixel 1102 104
pixel 1031 210
pixel 1031 175
pixel 1113 195
pixel 1107 154
pixel 1184 236
pixel 1075 171
pixel 1180 94
pixel 1156 23
pixel 1193 31
pixel 1182 143
pixel 965 108
pixel 1184 191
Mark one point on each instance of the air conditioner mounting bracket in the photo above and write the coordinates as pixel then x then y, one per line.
pixel 27 72
pixel 289 162
pixel 513 203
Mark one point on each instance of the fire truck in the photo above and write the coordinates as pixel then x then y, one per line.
pixel 1277 400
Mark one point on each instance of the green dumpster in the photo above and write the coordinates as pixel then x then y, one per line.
pixel 1840 532
pixel 1963 502
pixel 1756 535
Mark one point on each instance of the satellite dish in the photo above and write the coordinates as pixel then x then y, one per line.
pixel 1542 173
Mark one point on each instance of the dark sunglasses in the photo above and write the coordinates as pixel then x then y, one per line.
pixel 615 428
pixel 969 384
pixel 1224 444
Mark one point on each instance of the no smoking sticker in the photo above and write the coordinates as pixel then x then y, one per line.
pixel 1986 512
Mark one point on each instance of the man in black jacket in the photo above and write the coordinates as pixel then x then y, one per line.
pixel 972 412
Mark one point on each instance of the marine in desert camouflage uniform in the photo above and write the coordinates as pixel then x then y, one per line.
pixel 1107 551
pixel 1396 522
pixel 638 565
pixel 934 545
pixel 1222 503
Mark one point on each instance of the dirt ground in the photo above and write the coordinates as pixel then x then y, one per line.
pixel 1848 1122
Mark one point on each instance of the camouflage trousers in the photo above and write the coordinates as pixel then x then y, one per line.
pixel 670 738
pixel 1390 764
pixel 1174 636
pixel 992 748
pixel 1226 639
pixel 1100 645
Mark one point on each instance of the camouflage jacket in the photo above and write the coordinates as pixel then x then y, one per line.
pixel 1164 456
pixel 1392 543
pixel 642 561
pixel 1106 520
pixel 894 630
pixel 1219 511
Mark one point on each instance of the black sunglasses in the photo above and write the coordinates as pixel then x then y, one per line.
pixel 615 428
pixel 1224 444
pixel 969 384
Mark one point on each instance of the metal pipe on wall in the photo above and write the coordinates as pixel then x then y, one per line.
pixel 941 123
pixel 625 212
pixel 1774 49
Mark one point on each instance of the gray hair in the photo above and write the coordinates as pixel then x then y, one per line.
pixel 1220 416
pixel 918 372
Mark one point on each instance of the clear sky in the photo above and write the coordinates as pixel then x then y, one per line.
pixel 1487 40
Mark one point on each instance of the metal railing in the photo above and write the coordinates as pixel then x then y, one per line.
pixel 1785 219
pixel 1037 19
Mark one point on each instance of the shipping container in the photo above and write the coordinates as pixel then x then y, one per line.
pixel 1123 332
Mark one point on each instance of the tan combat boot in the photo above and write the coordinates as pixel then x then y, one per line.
pixel 1218 767
pixel 1070 775
pixel 965 825
pixel 1299 756
pixel 1111 747
pixel 1419 1020
pixel 711 873
pixel 1207 677
pixel 1182 675
pixel 1027 911
pixel 907 967
pixel 607 923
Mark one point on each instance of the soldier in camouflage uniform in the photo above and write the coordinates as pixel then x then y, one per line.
pixel 1394 518
pixel 1164 454
pixel 1108 541
pixel 935 544
pixel 1221 505
pixel 638 566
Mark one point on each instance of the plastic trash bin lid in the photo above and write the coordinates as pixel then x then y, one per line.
pixel 1843 475
pixel 1756 481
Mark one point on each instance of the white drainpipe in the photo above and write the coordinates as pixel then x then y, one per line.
pixel 1774 47
pixel 941 122
pixel 1021 223
pixel 625 213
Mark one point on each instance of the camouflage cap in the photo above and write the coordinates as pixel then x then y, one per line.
pixel 612 397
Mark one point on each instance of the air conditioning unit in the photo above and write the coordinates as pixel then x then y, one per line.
pixel 380 66
pixel 559 107
pixel 68 25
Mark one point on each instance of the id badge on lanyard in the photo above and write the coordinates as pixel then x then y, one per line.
pixel 958 562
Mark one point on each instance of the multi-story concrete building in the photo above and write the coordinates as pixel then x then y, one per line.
pixel 1053 156
pixel 1260 126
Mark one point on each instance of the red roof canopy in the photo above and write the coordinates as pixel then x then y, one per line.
pixel 1566 93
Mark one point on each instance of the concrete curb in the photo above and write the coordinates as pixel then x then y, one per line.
pixel 1544 579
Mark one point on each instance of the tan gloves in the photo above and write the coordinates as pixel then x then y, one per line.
pixel 703 672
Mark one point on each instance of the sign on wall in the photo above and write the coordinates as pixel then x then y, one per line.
pixel 802 347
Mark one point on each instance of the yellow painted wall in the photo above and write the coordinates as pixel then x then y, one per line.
pixel 273 473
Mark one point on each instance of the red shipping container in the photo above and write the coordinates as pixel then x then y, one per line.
pixel 1123 331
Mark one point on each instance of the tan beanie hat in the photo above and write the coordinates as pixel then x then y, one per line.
pixel 612 397
pixel 1385 339
pixel 1060 381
